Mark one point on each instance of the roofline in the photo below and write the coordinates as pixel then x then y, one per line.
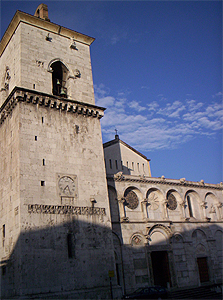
pixel 116 140
pixel 43 24
pixel 164 181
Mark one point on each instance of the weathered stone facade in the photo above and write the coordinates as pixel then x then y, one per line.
pixel 54 209
pixel 62 229
pixel 166 232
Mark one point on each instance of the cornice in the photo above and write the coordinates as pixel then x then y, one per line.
pixel 165 222
pixel 43 24
pixel 19 94
pixel 164 181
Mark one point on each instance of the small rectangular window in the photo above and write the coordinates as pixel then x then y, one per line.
pixel 3 231
pixel 116 164
pixel 3 270
pixel 43 162
pixel 42 183
pixel 34 86
pixel 42 119
pixel 69 245
pixel 127 164
pixel 110 162
pixel 143 167
pixel 138 166
pixel 133 165
pixel 35 138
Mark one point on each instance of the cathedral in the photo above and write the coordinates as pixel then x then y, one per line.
pixel 80 219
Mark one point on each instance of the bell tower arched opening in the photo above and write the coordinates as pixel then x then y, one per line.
pixel 59 78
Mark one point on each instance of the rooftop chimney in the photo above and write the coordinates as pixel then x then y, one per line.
pixel 42 12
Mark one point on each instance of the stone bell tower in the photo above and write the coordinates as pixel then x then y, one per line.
pixel 54 210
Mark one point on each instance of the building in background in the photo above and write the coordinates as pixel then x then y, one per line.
pixel 166 232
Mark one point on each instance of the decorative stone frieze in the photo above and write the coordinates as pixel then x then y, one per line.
pixel 65 209
pixel 24 95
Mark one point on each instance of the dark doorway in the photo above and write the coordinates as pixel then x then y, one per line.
pixel 161 270
pixel 203 269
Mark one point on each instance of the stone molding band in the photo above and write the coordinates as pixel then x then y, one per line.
pixel 25 95
pixel 65 209
pixel 166 182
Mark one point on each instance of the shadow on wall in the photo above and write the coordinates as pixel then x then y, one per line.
pixel 72 260
pixel 74 256
pixel 160 251
pixel 173 259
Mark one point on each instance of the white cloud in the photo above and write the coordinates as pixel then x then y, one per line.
pixel 217 95
pixel 135 105
pixel 105 101
pixel 158 125
pixel 153 105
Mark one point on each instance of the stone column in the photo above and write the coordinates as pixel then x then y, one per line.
pixel 164 208
pixel 122 213
pixel 219 210
pixel 144 204
pixel 203 207
pixel 182 209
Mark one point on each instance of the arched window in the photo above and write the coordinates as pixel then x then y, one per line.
pixel 59 76
pixel 189 206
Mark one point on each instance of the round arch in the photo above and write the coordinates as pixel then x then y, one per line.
pixel 133 196
pixel 137 239
pixel 159 235
pixel 193 202
pixel 211 207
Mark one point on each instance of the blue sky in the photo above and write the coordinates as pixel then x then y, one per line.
pixel 157 68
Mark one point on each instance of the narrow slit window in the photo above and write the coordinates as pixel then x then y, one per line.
pixel 42 119
pixel 35 137
pixel 3 231
pixel 69 245
pixel 43 162
pixel 116 164
pixel 133 166
pixel 189 206
pixel 110 162
pixel 127 164
pixel 3 270
pixel 138 166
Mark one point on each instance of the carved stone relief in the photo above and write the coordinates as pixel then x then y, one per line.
pixel 153 201
pixel 132 200
pixel 65 209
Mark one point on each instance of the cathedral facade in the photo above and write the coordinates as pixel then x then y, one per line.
pixel 72 226
pixel 166 232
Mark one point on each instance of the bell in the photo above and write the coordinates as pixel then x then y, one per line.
pixel 62 92
pixel 58 82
